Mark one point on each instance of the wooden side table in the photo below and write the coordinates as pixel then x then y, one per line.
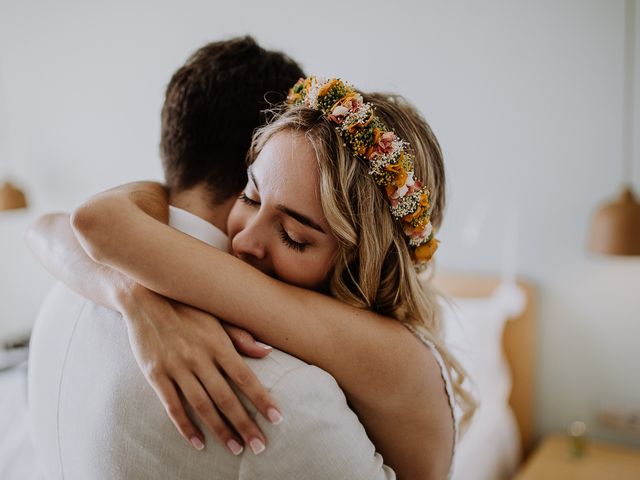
pixel 600 461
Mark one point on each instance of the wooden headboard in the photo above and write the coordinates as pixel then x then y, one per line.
pixel 518 342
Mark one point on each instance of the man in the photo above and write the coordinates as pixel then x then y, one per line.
pixel 94 415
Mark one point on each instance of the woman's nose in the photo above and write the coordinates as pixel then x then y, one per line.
pixel 249 243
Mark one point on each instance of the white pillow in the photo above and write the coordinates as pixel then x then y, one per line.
pixel 473 332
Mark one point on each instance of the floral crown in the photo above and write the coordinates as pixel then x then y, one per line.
pixel 389 158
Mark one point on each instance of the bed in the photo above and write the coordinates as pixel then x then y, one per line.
pixel 17 455
pixel 23 286
pixel 502 314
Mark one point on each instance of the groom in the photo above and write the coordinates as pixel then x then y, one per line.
pixel 93 413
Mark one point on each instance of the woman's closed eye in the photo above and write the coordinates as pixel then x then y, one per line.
pixel 290 242
pixel 285 237
pixel 243 198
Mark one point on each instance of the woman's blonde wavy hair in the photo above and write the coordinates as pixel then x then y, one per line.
pixel 373 267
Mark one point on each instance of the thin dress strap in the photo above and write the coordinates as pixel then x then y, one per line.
pixel 444 372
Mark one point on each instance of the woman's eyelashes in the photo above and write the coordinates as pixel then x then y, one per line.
pixel 243 198
pixel 290 242
pixel 286 239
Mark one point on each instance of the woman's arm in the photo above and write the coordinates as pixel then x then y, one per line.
pixel 56 247
pixel 114 230
pixel 383 369
pixel 53 242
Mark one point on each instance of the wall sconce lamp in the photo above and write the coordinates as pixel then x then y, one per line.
pixel 11 197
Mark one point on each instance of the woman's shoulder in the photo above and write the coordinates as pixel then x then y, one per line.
pixel 423 340
pixel 421 402
pixel 434 366
pixel 439 390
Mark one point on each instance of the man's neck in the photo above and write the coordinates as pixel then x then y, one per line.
pixel 197 200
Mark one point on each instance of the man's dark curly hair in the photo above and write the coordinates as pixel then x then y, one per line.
pixel 212 105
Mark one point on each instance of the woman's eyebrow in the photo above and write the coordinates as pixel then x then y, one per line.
pixel 303 219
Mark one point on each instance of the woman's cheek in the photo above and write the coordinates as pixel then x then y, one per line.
pixel 303 272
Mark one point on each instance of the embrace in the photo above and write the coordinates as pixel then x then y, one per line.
pixel 260 315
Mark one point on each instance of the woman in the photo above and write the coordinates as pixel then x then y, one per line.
pixel 324 176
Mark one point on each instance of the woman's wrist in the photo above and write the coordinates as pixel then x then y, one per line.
pixel 128 294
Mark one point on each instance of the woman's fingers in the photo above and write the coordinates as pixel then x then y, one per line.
pixel 230 406
pixel 245 343
pixel 244 378
pixel 172 403
pixel 179 361
pixel 202 405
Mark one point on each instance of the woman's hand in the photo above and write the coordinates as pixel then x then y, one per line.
pixel 185 352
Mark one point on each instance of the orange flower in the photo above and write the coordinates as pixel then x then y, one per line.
pixel 425 251
pixel 416 214
pixel 421 223
pixel 327 86
pixel 395 167
pixel 400 175
pixel 409 229
pixel 357 125
pixel 424 200
pixel 306 84
pixel 377 133
pixel 401 178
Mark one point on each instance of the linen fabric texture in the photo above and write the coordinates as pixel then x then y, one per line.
pixel 93 414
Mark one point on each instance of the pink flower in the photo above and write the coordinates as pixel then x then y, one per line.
pixel 385 144
pixel 426 232
pixel 408 186
pixel 401 191
pixel 338 114
pixel 422 234
pixel 355 103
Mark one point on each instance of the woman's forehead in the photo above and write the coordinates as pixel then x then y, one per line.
pixel 287 160
pixel 286 171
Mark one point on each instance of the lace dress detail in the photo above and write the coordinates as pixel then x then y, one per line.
pixel 444 372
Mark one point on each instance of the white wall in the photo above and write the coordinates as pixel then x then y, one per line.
pixel 525 97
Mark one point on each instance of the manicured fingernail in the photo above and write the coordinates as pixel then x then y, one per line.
pixel 256 445
pixel 274 416
pixel 264 345
pixel 197 443
pixel 235 447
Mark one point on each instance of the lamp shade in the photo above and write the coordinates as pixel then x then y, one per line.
pixel 11 197
pixel 615 227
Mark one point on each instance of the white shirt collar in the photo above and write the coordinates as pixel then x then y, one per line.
pixel 198 228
